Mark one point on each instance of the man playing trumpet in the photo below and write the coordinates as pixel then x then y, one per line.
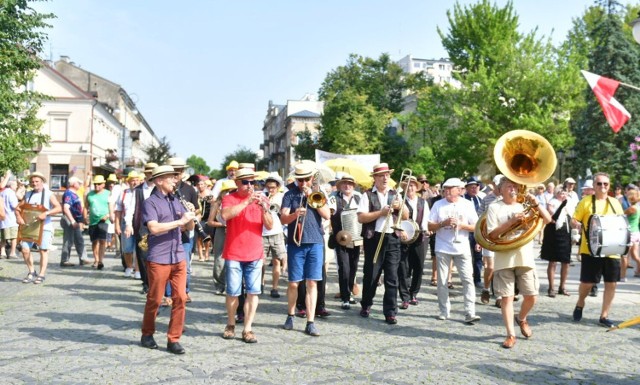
pixel 517 265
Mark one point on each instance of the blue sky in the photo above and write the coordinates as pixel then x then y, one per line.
pixel 203 72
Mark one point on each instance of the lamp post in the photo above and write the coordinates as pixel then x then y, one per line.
pixel 124 111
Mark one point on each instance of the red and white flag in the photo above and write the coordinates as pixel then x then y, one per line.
pixel 604 88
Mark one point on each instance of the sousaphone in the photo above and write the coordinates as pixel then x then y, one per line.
pixel 528 159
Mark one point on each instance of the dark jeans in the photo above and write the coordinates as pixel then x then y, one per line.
pixel 71 236
pixel 347 268
pixel 411 268
pixel 388 261
pixel 476 260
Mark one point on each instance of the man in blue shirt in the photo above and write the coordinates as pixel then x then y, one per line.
pixel 72 224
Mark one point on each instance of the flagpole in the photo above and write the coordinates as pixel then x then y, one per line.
pixel 630 86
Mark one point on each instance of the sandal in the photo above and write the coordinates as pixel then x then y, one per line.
pixel 249 337
pixel 450 285
pixel 563 291
pixel 434 283
pixel 39 279
pixel 551 293
pixel 30 277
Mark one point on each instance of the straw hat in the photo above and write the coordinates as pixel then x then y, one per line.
pixel 165 169
pixel 176 162
pixel 149 167
pixel 275 178
pixel 133 175
pixel 112 178
pixel 227 185
pixel 232 165
pixel 247 165
pixel 244 173
pixel 38 175
pixel 381 168
pixel 303 170
pixel 98 179
pixel 346 178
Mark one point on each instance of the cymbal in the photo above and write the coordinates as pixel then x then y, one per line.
pixel 344 238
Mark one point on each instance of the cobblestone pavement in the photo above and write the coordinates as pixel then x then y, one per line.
pixel 82 326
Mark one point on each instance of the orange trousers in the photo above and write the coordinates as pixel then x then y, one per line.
pixel 159 275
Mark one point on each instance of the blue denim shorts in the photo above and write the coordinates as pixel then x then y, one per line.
pixel 47 238
pixel 305 262
pixel 128 244
pixel 251 272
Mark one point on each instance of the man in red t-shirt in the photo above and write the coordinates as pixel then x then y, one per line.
pixel 246 211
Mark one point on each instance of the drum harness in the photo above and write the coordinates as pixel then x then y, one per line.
pixel 420 207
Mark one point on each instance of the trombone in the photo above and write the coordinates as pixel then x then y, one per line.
pixel 406 174
pixel 315 200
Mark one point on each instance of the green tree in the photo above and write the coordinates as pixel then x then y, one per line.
pixel 161 153
pixel 241 155
pixel 510 80
pixel 21 40
pixel 613 54
pixel 361 98
pixel 307 145
pixel 198 164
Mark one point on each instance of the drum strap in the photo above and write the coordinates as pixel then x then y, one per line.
pixel 593 211
pixel 41 197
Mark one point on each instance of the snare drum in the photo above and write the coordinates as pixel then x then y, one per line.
pixel 411 228
pixel 608 235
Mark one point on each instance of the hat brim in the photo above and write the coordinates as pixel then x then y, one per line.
pixel 247 176
pixel 163 174
pixel 305 175
pixel 390 171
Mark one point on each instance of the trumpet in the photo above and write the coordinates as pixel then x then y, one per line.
pixel 315 200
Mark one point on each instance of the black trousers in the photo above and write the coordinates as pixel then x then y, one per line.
pixel 388 261
pixel 411 268
pixel 302 293
pixel 347 267
pixel 476 260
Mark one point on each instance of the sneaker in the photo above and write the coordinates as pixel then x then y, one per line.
pixel 312 330
pixel 404 305
pixel 391 320
pixel 128 272
pixel 365 311
pixel 441 317
pixel 346 305
pixel 485 296
pixel 606 322
pixel 323 313
pixel 302 313
pixel 414 301
pixel 137 275
pixel 275 294
pixel 469 318
pixel 352 301
pixel 577 314
pixel 288 324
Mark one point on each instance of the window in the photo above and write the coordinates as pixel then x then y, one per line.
pixel 58 130
pixel 59 174
pixel 416 65
pixel 442 67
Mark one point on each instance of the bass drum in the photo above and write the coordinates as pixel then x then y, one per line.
pixel 411 228
pixel 608 235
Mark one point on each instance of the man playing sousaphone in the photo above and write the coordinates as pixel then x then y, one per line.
pixel 516 265
pixel 592 268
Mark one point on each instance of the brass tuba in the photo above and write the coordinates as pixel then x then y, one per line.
pixel 526 158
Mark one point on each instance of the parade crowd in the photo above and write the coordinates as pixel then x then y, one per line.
pixel 161 219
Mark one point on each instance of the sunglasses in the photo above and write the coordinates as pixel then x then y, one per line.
pixel 303 179
pixel 247 182
pixel 602 183
pixel 423 181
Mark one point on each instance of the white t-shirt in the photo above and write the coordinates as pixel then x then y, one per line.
pixel 413 203
pixel 363 207
pixel 466 214
pixel 277 225
pixel 500 212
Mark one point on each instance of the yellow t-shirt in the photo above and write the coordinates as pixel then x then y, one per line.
pixel 584 211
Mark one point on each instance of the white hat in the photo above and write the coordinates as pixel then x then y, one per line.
pixel 497 179
pixel 587 184
pixel 453 182
pixel 570 180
